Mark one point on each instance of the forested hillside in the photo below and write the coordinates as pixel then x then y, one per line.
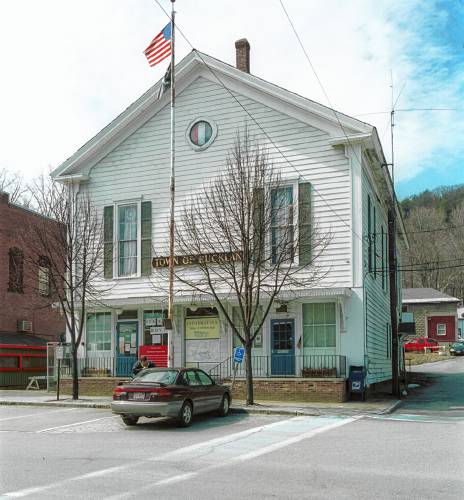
pixel 434 222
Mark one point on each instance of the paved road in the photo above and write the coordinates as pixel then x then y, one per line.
pixel 445 396
pixel 51 453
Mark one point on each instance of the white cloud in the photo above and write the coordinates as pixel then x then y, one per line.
pixel 73 66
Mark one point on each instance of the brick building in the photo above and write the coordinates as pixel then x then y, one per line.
pixel 432 312
pixel 25 298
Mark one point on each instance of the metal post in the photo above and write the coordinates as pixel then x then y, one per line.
pixel 58 380
pixel 172 192
pixel 393 299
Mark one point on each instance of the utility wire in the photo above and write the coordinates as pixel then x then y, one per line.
pixel 446 228
pixel 456 266
pixel 409 109
pixel 318 79
pixel 264 132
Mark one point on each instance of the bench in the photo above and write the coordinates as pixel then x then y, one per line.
pixel 34 382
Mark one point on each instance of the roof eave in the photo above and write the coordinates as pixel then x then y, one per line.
pixel 104 137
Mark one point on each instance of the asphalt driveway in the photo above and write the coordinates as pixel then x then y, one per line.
pixel 443 392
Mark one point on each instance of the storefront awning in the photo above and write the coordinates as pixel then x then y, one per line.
pixel 182 298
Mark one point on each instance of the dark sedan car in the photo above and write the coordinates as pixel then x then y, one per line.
pixel 170 392
pixel 457 349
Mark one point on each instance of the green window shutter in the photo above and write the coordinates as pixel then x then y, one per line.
pixel 108 241
pixel 304 223
pixel 258 223
pixel 146 238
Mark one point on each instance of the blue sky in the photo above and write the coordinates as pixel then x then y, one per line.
pixel 71 67
pixel 437 49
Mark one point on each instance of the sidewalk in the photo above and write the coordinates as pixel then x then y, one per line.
pixel 377 406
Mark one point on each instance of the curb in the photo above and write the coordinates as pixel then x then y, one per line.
pixel 56 403
pixel 390 409
pixel 267 411
pixel 234 410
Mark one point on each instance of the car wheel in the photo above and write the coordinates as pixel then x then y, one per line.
pixel 186 414
pixel 130 420
pixel 224 407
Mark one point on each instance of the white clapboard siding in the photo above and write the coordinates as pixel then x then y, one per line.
pixel 377 299
pixel 140 167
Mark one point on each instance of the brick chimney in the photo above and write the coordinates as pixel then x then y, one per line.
pixel 4 198
pixel 242 54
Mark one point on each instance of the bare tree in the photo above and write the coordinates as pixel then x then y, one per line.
pixel 456 249
pixel 242 228
pixel 425 252
pixel 72 251
pixel 436 249
pixel 13 184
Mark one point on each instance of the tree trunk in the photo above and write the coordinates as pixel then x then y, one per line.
pixel 75 374
pixel 249 373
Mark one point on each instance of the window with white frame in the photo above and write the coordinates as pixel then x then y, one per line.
pixel 282 224
pixel 441 329
pixel 319 325
pixel 127 234
pixel 98 331
pixel 44 276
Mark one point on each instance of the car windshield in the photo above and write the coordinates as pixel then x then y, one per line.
pixel 458 344
pixel 160 376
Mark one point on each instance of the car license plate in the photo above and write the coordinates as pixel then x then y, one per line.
pixel 139 395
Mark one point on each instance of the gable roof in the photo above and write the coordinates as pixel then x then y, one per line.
pixel 425 295
pixel 342 127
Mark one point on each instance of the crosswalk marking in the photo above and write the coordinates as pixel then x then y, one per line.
pixel 209 454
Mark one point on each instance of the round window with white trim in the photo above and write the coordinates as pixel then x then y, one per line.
pixel 201 133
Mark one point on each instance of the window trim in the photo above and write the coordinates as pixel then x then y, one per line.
pixel 117 204
pixel 438 332
pixel 294 224
pixel 214 131
pixel 87 343
pixel 294 184
pixel 335 324
pixel 43 270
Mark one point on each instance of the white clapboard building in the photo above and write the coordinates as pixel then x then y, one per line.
pixel 125 169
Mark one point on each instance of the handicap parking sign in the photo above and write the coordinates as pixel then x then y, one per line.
pixel 239 353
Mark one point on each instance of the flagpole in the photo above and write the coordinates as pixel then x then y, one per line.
pixel 172 190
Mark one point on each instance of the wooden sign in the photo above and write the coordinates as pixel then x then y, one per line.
pixel 204 258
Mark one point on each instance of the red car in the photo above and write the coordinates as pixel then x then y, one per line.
pixel 419 344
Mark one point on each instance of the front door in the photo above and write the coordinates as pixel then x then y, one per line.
pixel 282 347
pixel 126 347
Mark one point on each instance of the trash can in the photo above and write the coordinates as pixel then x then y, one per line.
pixel 356 380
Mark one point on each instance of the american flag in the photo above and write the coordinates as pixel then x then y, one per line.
pixel 160 46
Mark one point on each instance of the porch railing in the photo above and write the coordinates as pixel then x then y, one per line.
pixel 276 365
pixel 285 365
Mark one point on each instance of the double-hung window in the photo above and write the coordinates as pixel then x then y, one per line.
pixel 319 325
pixel 291 224
pixel 127 239
pixel 44 276
pixel 282 224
